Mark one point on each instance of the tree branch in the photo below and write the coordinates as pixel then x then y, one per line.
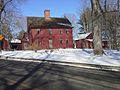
pixel 4 5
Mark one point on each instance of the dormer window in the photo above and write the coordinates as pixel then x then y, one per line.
pixel 67 41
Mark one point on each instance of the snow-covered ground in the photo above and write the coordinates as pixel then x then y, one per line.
pixel 112 57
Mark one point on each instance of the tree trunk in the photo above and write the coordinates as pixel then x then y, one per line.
pixel 118 3
pixel 97 42
pixel 97 38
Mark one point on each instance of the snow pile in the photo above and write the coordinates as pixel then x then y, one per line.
pixel 112 58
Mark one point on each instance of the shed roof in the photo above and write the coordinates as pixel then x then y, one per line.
pixel 82 36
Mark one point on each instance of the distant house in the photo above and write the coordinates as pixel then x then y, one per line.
pixel 85 40
pixel 49 32
pixel 16 44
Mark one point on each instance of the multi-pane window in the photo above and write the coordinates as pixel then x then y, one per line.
pixel 61 41
pixel 67 41
pixel 66 31
pixel 38 31
pixel 50 31
pixel 61 31
pixel 40 43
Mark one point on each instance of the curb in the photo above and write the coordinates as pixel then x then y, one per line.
pixel 82 65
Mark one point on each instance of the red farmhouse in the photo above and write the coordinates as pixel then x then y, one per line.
pixel 49 32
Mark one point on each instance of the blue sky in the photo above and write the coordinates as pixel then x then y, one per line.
pixel 57 7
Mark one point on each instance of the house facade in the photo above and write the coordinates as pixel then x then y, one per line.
pixel 49 32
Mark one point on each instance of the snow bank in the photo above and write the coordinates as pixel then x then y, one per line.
pixel 112 58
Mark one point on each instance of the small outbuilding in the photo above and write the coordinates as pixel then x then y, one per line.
pixel 16 44
pixel 85 40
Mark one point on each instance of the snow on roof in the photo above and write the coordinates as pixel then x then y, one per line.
pixel 82 36
pixel 65 24
pixel 90 40
pixel 15 41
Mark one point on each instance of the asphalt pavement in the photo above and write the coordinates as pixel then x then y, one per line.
pixel 17 75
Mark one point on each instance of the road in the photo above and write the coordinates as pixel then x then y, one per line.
pixel 15 75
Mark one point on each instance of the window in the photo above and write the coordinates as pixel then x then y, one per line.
pixel 50 31
pixel 40 43
pixel 38 31
pixel 61 41
pixel 66 31
pixel 67 41
pixel 61 32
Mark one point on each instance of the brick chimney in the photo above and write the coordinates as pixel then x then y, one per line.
pixel 47 13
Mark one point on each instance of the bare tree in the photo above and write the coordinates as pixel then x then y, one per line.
pixel 8 13
pixel 112 19
pixel 86 20
pixel 106 16
pixel 72 18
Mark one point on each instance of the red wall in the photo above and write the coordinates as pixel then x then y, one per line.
pixel 42 38
pixel 83 44
pixel 79 44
